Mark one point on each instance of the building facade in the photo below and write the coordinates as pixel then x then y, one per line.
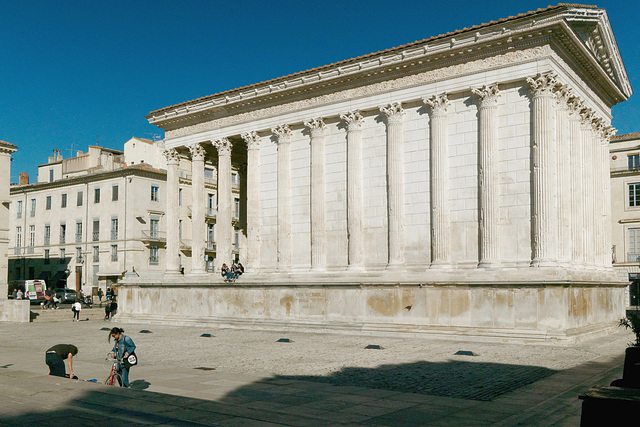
pixel 625 205
pixel 443 186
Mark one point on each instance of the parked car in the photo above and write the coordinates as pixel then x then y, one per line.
pixel 66 295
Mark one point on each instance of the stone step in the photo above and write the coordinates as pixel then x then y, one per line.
pixel 64 313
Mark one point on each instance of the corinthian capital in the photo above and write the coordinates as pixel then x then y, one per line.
pixel 394 112
pixel 608 132
pixel 252 139
pixel 197 151
pixel 353 119
pixel 575 105
pixel 171 154
pixel 586 116
pixel 488 95
pixel 563 94
pixel 438 103
pixel 316 126
pixel 543 84
pixel 223 145
pixel 282 133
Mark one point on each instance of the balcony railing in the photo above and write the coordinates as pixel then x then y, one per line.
pixel 211 246
pixel 78 238
pixel 17 250
pixel 33 213
pixel 153 260
pixel 633 257
pixel 208 213
pixel 47 241
pixel 30 249
pixel 154 235
pixel 114 235
pixel 96 236
pixel 19 214
pixel 235 248
pixel 63 240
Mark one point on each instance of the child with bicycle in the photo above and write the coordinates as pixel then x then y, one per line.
pixel 123 349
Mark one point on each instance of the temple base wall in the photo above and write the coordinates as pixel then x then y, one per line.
pixel 15 311
pixel 562 312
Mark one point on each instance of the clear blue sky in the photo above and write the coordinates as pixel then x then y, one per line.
pixel 76 72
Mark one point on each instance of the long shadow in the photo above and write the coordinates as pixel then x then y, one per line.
pixel 292 400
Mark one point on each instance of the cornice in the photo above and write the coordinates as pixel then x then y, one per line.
pixel 424 56
pixel 102 176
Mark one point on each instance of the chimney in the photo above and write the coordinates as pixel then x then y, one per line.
pixel 23 179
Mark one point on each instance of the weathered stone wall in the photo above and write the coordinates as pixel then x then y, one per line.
pixel 546 312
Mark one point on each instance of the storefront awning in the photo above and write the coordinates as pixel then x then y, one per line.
pixel 60 275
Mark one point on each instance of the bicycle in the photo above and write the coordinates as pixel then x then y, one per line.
pixel 114 377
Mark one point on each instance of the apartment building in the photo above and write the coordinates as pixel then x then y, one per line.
pixel 92 219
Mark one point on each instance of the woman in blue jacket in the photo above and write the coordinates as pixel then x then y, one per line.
pixel 123 347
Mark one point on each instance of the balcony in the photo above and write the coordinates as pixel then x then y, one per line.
pixel 78 238
pixel 153 260
pixel 63 240
pixel 33 213
pixel 114 235
pixel 30 249
pixel 47 241
pixel 235 248
pixel 96 236
pixel 153 236
pixel 209 213
pixel 19 214
pixel 633 257
pixel 211 246
pixel 17 250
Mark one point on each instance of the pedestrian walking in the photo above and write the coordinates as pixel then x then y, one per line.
pixel 100 294
pixel 76 307
pixel 54 359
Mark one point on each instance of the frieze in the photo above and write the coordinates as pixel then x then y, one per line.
pixel 426 77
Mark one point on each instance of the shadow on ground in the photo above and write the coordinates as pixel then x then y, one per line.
pixel 405 394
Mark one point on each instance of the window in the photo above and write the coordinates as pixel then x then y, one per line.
pixel 114 228
pixel 634 195
pixel 47 235
pixel 32 238
pixel 211 236
pixel 19 209
pixel 96 230
pixel 96 253
pixel 33 207
pixel 63 201
pixel 211 204
pixel 634 245
pixel 46 256
pixel 78 231
pixel 79 199
pixel 634 161
pixel 236 209
pixel 180 197
pixel 114 252
pixel 208 173
pixel 114 193
pixel 179 229
pixel 78 254
pixel 96 195
pixel 235 180
pixel 153 254
pixel 154 193
pixel 48 203
pixel 50 175
pixel 155 228
pixel 63 253
pixel 18 237
pixel 63 232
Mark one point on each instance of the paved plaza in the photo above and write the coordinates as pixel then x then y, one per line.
pixel 239 377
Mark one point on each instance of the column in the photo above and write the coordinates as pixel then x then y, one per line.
pixel 563 159
pixel 318 235
pixel 355 235
pixel 395 184
pixel 488 181
pixel 283 139
pixel 578 252
pixel 607 133
pixel 439 179
pixel 545 216
pixel 224 227
pixel 253 200
pixel 598 191
pixel 198 226
pixel 172 266
pixel 586 117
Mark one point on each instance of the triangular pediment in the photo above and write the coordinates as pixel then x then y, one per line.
pixel 594 30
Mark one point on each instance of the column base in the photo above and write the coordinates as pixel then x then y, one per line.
pixel 440 265
pixel 489 264
pixel 395 267
pixel 355 267
pixel 544 262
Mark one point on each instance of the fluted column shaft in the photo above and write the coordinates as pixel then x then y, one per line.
pixel 318 234
pixel 587 188
pixel 563 159
pixel 283 135
pixel 578 254
pixel 439 180
pixel 395 184
pixel 198 226
pixel 355 235
pixel 172 264
pixel 607 133
pixel 545 216
pixel 488 177
pixel 598 194
pixel 224 227
pixel 253 200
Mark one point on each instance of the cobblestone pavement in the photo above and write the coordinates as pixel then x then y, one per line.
pixel 252 379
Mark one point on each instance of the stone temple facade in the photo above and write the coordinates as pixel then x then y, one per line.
pixel 454 186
